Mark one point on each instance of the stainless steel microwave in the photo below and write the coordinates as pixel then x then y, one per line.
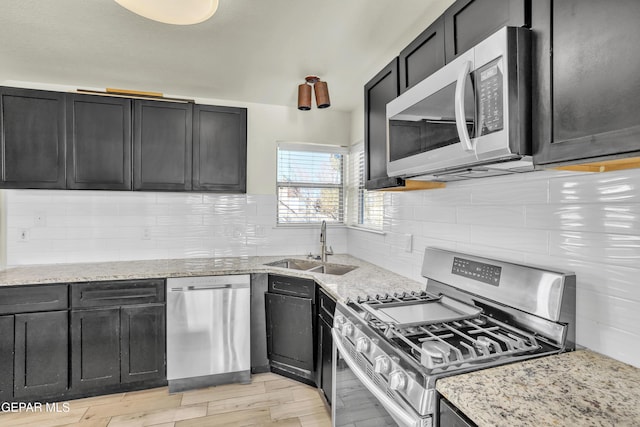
pixel 470 119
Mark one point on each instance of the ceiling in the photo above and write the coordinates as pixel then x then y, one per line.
pixel 249 51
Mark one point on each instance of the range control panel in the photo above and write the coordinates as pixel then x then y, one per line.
pixel 479 271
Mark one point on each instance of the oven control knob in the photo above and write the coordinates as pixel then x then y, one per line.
pixel 363 345
pixel 347 329
pixel 397 381
pixel 382 365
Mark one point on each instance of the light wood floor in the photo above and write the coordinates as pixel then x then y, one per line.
pixel 270 400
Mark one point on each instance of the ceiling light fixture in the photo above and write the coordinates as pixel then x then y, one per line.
pixel 176 12
pixel 321 90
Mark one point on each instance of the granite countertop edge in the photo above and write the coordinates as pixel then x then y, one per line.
pixel 364 280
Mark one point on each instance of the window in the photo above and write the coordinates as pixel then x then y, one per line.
pixel 310 183
pixel 365 208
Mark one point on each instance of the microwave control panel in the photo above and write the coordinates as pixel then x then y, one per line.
pixel 489 96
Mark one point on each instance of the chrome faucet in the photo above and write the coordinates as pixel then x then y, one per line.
pixel 323 243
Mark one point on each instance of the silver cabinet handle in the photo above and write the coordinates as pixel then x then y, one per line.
pixel 461 121
pixel 208 287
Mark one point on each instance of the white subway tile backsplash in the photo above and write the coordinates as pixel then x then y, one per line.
pixel 86 226
pixel 517 239
pixel 583 222
pixel 617 249
pixel 505 215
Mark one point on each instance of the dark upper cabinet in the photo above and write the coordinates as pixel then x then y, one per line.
pixel 586 90
pixel 219 149
pixel 98 142
pixel 468 22
pixel 32 140
pixel 423 56
pixel 383 88
pixel 41 359
pixel 6 358
pixel 162 145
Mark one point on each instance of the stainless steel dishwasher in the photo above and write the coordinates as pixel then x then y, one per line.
pixel 208 334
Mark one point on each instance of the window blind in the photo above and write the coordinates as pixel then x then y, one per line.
pixel 310 184
pixel 365 208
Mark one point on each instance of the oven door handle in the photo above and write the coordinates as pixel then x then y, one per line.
pixel 402 417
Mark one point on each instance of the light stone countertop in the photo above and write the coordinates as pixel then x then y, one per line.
pixel 580 388
pixel 366 279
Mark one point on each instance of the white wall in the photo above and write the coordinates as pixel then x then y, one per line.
pixel 586 223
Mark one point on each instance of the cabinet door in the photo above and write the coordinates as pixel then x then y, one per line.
pixel 325 349
pixel 142 343
pixel 290 330
pixel 95 348
pixel 220 149
pixel 98 142
pixel 41 364
pixel 32 140
pixel 423 56
pixel 377 93
pixel 586 91
pixel 468 22
pixel 6 358
pixel 162 145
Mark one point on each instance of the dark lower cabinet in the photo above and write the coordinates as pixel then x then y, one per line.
pixel 32 138
pixel 586 91
pixel 291 326
pixel 95 348
pixel 219 149
pixel 142 343
pixel 326 307
pixel 116 341
pixel 6 358
pixel 98 142
pixel 450 416
pixel 162 145
pixel 290 330
pixel 41 359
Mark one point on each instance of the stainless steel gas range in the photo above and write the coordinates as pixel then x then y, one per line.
pixel 475 313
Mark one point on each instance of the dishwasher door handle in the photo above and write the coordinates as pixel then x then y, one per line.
pixel 209 287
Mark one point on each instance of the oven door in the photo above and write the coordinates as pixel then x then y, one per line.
pixel 358 400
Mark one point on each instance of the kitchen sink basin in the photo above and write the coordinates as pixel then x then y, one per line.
pixel 313 266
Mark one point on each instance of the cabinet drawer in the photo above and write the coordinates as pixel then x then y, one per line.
pixel 327 305
pixel 293 286
pixel 107 294
pixel 28 299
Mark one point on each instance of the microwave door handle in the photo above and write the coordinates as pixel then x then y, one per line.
pixel 461 122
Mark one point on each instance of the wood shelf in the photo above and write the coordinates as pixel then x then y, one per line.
pixel 604 166
pixel 412 185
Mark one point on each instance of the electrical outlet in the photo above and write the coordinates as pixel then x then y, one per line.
pixel 24 235
pixel 40 219
pixel 408 243
pixel 146 234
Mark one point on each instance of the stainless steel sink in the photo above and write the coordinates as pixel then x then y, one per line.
pixel 313 266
